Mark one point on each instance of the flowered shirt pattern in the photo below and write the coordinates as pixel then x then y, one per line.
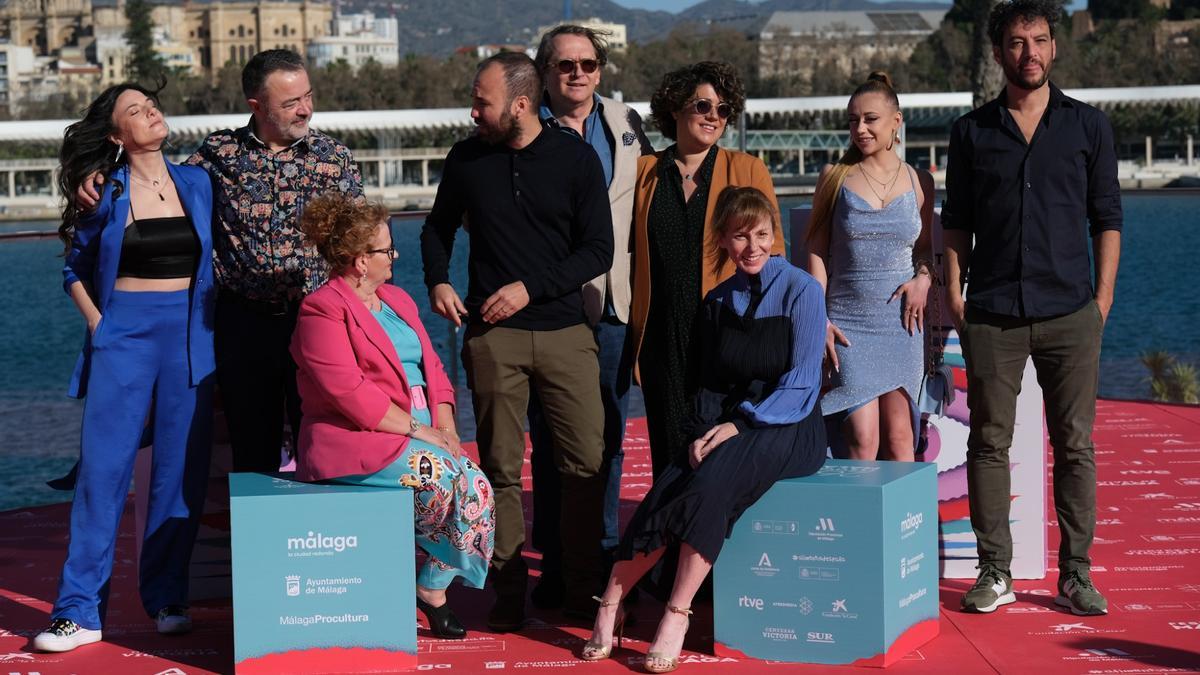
pixel 259 251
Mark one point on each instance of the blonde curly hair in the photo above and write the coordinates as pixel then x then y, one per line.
pixel 341 227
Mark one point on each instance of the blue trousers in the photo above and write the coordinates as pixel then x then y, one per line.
pixel 616 370
pixel 139 357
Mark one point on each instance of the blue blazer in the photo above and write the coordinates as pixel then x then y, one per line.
pixel 95 256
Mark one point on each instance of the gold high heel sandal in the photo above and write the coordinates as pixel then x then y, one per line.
pixel 594 651
pixel 658 663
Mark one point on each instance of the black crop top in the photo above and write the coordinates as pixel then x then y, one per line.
pixel 159 248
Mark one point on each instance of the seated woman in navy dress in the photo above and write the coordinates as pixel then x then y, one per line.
pixel 756 421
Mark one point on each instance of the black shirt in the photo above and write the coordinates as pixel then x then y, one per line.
pixel 539 215
pixel 1026 204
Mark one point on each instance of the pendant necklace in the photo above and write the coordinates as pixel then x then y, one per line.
pixel 157 185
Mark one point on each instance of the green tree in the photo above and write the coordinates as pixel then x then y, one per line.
pixel 145 65
pixel 1123 9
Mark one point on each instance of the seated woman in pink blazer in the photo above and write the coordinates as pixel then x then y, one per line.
pixel 378 407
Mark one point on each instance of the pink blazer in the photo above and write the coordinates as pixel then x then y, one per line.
pixel 349 373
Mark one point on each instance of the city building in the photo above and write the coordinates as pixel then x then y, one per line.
pixel 614 33
pixel 795 43
pixel 357 39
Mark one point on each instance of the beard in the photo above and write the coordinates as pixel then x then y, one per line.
pixel 1012 73
pixel 291 129
pixel 505 130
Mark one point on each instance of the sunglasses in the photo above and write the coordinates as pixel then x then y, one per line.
pixel 567 66
pixel 390 251
pixel 703 107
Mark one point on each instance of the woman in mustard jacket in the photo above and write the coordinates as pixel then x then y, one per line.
pixel 673 249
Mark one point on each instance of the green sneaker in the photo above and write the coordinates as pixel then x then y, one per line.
pixel 992 589
pixel 1076 592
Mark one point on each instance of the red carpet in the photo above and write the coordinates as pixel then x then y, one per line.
pixel 1146 557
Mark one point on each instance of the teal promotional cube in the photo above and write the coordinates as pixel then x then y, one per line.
pixel 324 576
pixel 840 567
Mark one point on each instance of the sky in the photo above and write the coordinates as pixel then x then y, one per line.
pixel 677 5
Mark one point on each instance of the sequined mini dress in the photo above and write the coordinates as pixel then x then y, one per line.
pixel 870 255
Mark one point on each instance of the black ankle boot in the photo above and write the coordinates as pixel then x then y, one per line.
pixel 442 622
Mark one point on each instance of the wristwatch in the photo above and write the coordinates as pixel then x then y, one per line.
pixel 413 425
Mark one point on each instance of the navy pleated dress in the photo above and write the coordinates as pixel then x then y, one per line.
pixel 762 340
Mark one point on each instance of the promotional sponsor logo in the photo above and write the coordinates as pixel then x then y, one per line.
pixel 1126 483
pixel 1163 551
pixel 825 530
pixel 752 603
pixel 1189 588
pixel 838 610
pixel 805 605
pixel 1147 568
pixel 1186 506
pixel 1027 610
pixel 1100 655
pixel 15 657
pixel 1189 482
pixel 775 527
pixel 434 666
pixel 1180 520
pixel 779 634
pixel 764 568
pixel 1145 472
pixel 292 584
pixel 820 638
pixel 317 544
pixel 284 484
pixel 820 574
pixel 1075 629
pixel 1071 627
pixel 910 524
pixel 315 619
pixel 1171 537
pixel 910 565
pixel 913 597
pixel 1110 521
pixel 1159 607
pixel 846 470
pixel 803 557
pixel 1184 625
pixel 494 665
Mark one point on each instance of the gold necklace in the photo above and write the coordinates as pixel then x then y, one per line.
pixel 886 189
pixel 157 185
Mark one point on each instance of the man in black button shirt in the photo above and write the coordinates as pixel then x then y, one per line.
pixel 1026 174
pixel 540 227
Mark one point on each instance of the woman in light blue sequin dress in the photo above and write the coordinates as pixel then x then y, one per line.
pixel 869 244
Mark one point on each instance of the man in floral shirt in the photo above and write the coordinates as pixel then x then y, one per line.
pixel 264 172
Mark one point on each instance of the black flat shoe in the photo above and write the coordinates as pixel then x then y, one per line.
pixel 442 622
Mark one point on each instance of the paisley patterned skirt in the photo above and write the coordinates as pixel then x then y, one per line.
pixel 453 505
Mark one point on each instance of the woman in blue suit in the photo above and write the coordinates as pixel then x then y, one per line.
pixel 139 269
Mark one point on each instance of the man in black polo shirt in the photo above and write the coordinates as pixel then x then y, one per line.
pixel 1026 174
pixel 540 227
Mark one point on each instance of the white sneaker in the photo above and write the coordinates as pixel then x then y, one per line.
pixel 173 620
pixel 63 635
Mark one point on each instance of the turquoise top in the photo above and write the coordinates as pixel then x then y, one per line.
pixel 406 342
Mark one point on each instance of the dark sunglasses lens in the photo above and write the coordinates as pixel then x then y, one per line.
pixel 703 106
pixel 567 66
pixel 724 110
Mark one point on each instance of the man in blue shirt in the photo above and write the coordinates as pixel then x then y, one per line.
pixel 571 59
pixel 1025 173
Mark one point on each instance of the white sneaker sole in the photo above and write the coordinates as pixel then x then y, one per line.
pixel 1005 599
pixel 1064 601
pixel 53 643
